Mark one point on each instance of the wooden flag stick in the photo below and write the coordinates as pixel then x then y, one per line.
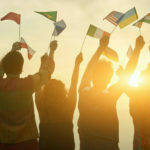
pixel 113 30
pixel 83 42
pixel 20 29
pixel 49 43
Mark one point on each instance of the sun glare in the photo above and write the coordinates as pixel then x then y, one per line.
pixel 134 80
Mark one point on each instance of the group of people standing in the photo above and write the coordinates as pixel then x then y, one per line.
pixel 98 125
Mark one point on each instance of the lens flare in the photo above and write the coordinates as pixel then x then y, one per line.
pixel 134 80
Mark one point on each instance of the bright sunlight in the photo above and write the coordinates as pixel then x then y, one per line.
pixel 134 80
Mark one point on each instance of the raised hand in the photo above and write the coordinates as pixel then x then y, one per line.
pixel 79 58
pixel 104 41
pixel 47 63
pixel 53 45
pixel 139 42
pixel 16 46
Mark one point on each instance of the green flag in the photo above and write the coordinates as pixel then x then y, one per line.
pixel 52 15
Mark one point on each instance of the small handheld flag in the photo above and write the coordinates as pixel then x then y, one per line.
pixel 52 15
pixel 59 27
pixel 113 17
pixel 129 17
pixel 95 32
pixel 30 51
pixel 146 19
pixel 12 16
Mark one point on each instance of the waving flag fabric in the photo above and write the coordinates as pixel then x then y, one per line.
pixel 12 16
pixel 93 31
pixel 113 17
pixel 129 17
pixel 146 19
pixel 52 15
pixel 30 51
pixel 59 27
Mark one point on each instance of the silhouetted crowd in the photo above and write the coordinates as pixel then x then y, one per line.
pixel 98 125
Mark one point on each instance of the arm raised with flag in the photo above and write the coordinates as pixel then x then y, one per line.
pixel 87 77
pixel 53 47
pixel 125 74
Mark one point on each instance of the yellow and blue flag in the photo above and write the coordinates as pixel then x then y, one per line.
pixel 129 17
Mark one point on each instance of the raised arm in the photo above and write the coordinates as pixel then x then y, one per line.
pixel 125 74
pixel 74 81
pixel 87 77
pixel 51 65
pixel 132 63
pixel 53 47
pixel 131 66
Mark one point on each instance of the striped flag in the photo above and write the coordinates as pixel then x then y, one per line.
pixel 113 17
pixel 127 18
pixel 30 51
pixel 12 16
pixel 93 31
pixel 146 19
pixel 129 52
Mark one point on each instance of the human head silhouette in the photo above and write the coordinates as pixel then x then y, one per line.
pixel 12 63
pixel 55 90
pixel 102 74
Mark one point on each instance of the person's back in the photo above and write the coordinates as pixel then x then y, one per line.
pixel 140 112
pixel 56 114
pixel 98 116
pixel 16 110
pixel 98 122
pixel 56 108
pixel 18 127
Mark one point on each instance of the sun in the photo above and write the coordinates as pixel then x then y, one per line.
pixel 134 80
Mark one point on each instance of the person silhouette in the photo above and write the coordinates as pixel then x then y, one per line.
pixel 136 94
pixel 18 129
pixel 98 121
pixel 56 108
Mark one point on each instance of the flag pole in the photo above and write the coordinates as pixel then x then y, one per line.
pixel 19 32
pixel 113 30
pixel 20 29
pixel 83 43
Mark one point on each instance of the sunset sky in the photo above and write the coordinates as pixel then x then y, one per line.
pixel 78 15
